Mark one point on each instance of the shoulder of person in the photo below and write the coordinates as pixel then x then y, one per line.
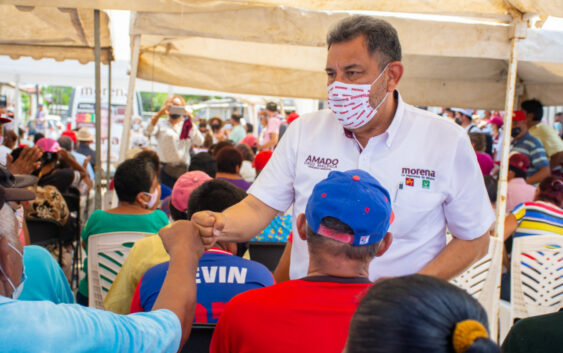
pixel 158 213
pixel 438 124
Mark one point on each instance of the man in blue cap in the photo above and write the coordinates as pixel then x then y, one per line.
pixel 345 224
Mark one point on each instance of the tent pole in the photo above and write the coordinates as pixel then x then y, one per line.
pixel 518 31
pixel 98 169
pixel 17 107
pixel 109 126
pixel 130 98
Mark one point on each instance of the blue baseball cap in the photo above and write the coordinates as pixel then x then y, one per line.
pixel 356 198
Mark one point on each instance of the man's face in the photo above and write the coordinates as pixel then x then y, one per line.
pixel 350 62
pixel 523 127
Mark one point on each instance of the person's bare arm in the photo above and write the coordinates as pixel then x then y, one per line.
pixel 556 160
pixel 539 176
pixel 178 292
pixel 281 273
pixel 238 223
pixel 273 141
pixel 510 225
pixel 457 256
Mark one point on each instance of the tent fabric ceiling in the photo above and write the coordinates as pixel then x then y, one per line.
pixel 282 52
pixel 48 32
pixel 498 9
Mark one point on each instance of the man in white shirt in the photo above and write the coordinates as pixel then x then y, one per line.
pixel 171 149
pixel 426 163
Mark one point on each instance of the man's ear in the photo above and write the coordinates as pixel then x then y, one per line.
pixel 142 198
pixel 395 72
pixel 384 244
pixel 302 226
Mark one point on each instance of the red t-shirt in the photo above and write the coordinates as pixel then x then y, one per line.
pixel 306 315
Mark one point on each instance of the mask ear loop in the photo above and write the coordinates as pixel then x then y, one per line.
pixel 8 279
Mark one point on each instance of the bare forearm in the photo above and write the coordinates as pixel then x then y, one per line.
pixel 178 293
pixel 539 176
pixel 457 256
pixel 246 219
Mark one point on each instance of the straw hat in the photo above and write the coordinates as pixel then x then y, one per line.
pixel 84 135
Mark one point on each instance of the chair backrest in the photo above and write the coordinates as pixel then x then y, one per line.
pixel 266 253
pixel 536 275
pixel 43 231
pixel 106 254
pixel 482 281
pixel 200 339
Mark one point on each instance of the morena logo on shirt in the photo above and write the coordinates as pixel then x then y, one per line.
pixel 321 163
pixel 418 173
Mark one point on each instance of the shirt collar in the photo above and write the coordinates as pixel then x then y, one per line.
pixel 218 251
pixel 392 130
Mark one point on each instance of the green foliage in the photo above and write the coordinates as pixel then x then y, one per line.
pixel 153 101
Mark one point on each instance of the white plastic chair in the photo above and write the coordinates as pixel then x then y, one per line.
pixel 106 254
pixel 482 281
pixel 536 281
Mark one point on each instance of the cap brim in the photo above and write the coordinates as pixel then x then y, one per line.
pixel 22 181
pixel 16 194
pixel 5 120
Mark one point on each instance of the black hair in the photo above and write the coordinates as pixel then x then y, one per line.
pixel 414 313
pixel 518 173
pixel 491 184
pixel 236 117
pixel 215 195
pixel 319 243
pixel 151 157
pixel 177 214
pixel 205 162
pixel 48 158
pixel 214 149
pixel 38 136
pixel 249 128
pixel 535 107
pixel 228 159
pixel 16 153
pixel 132 177
pixel 66 143
pixel 380 36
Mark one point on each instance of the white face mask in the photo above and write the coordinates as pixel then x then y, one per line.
pixel 350 102
pixel 153 196
pixel 16 291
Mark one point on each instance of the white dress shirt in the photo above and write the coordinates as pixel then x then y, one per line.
pixel 170 148
pixel 426 163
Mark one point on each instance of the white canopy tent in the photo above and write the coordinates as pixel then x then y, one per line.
pixel 59 33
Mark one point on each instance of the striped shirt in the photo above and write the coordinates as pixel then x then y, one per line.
pixel 531 147
pixel 538 218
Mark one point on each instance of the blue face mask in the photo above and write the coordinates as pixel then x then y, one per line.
pixel 557 126
pixel 16 291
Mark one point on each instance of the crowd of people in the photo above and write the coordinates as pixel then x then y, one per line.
pixel 357 194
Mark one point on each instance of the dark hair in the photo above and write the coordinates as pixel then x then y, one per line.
pixel 214 149
pixel 518 173
pixel 205 162
pixel 491 184
pixel 228 159
pixel 414 313
pixel 318 243
pixel 48 158
pixel 249 128
pixel 535 107
pixel 66 143
pixel 150 157
pixel 246 151
pixel 132 177
pixel 214 195
pixel 551 190
pixel 380 36
pixel 16 153
pixel 38 136
pixel 236 117
pixel 177 214
pixel 479 140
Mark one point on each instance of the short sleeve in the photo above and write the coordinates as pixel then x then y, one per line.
pixel 519 212
pixel 467 208
pixel 274 125
pixel 274 185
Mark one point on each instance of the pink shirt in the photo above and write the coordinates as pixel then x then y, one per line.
pixel 518 191
pixel 272 128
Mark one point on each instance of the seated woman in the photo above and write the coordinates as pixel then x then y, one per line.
pixel 543 216
pixel 137 188
pixel 229 162
pixel 419 313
